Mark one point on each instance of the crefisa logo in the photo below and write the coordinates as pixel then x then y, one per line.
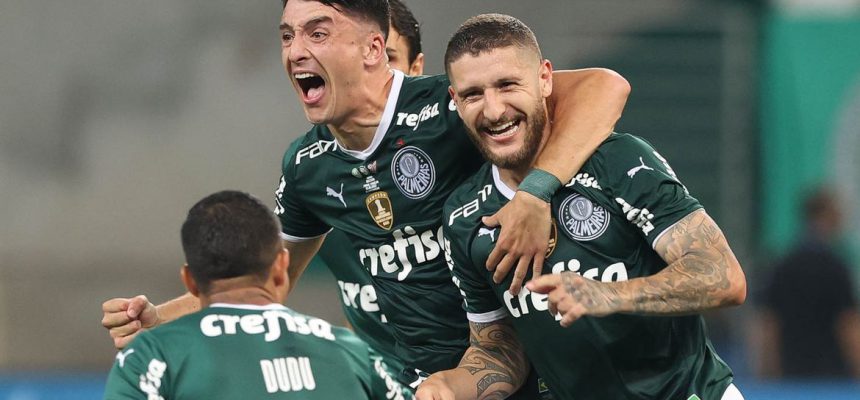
pixel 581 219
pixel 413 171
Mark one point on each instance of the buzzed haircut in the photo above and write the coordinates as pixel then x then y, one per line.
pixel 377 11
pixel 404 23
pixel 230 234
pixel 486 32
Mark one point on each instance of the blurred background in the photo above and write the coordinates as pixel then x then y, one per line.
pixel 116 116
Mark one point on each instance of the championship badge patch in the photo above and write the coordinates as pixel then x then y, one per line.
pixel 379 206
pixel 581 219
pixel 413 172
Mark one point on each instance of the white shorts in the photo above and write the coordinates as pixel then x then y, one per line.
pixel 732 393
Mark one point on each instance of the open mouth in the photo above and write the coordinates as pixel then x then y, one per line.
pixel 503 130
pixel 312 85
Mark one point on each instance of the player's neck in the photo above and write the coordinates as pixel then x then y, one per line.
pixel 357 129
pixel 256 295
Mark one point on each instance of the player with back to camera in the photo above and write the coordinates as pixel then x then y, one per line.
pixel 244 343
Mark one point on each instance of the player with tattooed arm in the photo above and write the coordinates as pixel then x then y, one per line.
pixel 633 257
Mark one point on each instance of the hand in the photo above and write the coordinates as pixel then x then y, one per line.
pixel 523 240
pixel 434 388
pixel 125 318
pixel 574 297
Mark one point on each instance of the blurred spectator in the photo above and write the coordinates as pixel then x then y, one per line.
pixel 810 326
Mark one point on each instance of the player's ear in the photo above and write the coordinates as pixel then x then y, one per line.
pixel 417 67
pixel 280 268
pixel 189 282
pixel 545 76
pixel 375 51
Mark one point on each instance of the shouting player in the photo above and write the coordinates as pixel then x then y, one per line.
pixel 634 258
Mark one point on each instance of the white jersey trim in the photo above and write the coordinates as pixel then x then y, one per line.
pixel 504 189
pixel 656 238
pixel 254 307
pixel 384 123
pixel 732 393
pixel 487 317
pixel 299 239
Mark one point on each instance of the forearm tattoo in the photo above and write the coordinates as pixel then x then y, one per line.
pixel 495 358
pixel 697 275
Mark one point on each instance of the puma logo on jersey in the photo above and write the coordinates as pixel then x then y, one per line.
pixel 414 120
pixel 120 357
pixel 633 171
pixel 488 232
pixel 331 193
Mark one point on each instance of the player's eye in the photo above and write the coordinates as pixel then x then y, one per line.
pixel 286 38
pixel 318 35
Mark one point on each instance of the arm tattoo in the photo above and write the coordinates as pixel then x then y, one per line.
pixel 697 277
pixel 495 358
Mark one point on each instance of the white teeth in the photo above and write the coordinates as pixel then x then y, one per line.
pixel 304 75
pixel 502 127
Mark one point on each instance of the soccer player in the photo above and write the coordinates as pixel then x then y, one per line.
pixel 634 258
pixel 358 296
pixel 244 343
pixel 385 153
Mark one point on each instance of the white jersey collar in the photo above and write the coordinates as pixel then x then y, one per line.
pixel 384 123
pixel 254 307
pixel 504 189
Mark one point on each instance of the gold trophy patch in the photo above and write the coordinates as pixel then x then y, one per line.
pixel 379 206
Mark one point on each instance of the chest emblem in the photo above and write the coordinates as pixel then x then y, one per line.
pixel 379 206
pixel 581 219
pixel 413 172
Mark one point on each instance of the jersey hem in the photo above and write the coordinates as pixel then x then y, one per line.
pixel 483 318
pixel 299 239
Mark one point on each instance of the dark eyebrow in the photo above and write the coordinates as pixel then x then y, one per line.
pixel 310 24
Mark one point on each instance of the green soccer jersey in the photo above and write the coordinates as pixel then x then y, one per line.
pixel 358 296
pixel 387 200
pixel 606 221
pixel 250 352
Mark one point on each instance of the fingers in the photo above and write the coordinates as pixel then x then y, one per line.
pixel 503 267
pixel 519 275
pixel 544 284
pixel 491 221
pixel 136 305
pixel 537 265
pixel 115 313
pixel 495 257
pixel 121 342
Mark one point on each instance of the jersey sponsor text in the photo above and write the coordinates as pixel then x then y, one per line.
pixel 268 323
pixel 394 258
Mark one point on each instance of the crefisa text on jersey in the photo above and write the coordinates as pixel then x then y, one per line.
pixel 268 323
pixel 394 258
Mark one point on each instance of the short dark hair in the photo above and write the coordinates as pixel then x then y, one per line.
pixel 487 32
pixel 229 234
pixel 377 11
pixel 407 26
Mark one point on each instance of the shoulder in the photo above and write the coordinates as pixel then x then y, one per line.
pixel 307 147
pixel 619 145
pixel 468 192
pixel 421 89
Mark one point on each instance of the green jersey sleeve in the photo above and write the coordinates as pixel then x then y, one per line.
pixel 479 300
pixel 297 222
pixel 642 186
pixel 139 372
